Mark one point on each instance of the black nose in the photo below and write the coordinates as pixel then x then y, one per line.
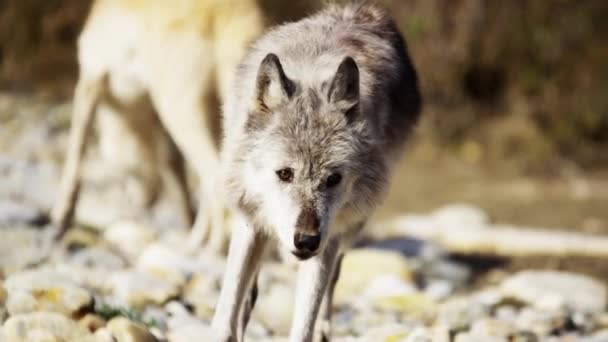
pixel 305 242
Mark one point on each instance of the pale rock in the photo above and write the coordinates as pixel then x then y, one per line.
pixel 176 309
pixel 421 334
pixel 79 238
pixel 439 289
pixel 554 290
pixel 489 296
pixel 159 333
pixel 192 332
pixel 492 328
pixel 275 308
pixel 388 285
pixel 185 328
pixel 138 289
pixel 506 313
pixel 441 333
pixel 159 255
pixel 125 330
pixel 39 335
pixel 44 290
pixel 202 291
pixel 389 332
pixel 157 317
pixel 256 331
pixel 97 257
pixel 32 326
pixel 32 183
pixel 175 238
pixel 285 339
pixel 583 322
pixel 526 336
pixel 274 272
pixel 366 319
pixel 103 335
pixel 21 247
pixel 342 320
pixel 456 273
pixel 171 264
pixel 541 322
pixel 460 312
pixel 92 322
pixel 417 305
pixel 565 337
pixel 598 336
pixel 459 217
pixel 601 320
pixel 129 237
pixel 104 205
pixel 95 279
pixel 420 226
pixel 361 266
pixel 470 337
pixel 431 252
pixel 15 213
pixel 171 276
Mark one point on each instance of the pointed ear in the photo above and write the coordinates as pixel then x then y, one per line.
pixel 344 88
pixel 272 85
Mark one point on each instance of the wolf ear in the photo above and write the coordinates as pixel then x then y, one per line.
pixel 344 88
pixel 272 85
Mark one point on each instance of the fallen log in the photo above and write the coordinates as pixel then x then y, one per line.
pixel 495 239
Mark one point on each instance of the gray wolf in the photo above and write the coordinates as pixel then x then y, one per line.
pixel 318 115
pixel 152 73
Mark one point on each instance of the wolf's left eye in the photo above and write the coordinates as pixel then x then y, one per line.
pixel 333 180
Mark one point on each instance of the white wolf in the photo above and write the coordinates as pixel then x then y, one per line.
pixel 318 116
pixel 150 70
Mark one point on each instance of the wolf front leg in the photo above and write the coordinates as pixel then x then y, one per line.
pixel 323 326
pixel 248 306
pixel 313 278
pixel 244 256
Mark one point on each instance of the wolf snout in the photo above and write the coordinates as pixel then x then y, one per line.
pixel 307 243
pixel 307 237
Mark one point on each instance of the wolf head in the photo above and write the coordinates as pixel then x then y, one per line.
pixel 309 163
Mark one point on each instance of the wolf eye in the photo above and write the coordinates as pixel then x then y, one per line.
pixel 285 175
pixel 333 180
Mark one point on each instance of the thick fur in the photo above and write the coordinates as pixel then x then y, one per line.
pixel 151 70
pixel 332 94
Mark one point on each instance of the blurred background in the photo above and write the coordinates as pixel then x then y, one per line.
pixel 508 170
pixel 515 117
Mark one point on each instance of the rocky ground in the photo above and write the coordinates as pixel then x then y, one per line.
pixel 134 280
pixel 134 283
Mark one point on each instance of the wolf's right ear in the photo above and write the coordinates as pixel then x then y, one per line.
pixel 272 85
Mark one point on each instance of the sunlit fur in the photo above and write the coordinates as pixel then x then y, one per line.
pixel 152 67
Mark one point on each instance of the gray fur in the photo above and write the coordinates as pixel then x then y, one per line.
pixel 310 52
pixel 333 94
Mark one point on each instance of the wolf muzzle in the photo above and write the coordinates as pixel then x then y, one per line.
pixel 307 237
